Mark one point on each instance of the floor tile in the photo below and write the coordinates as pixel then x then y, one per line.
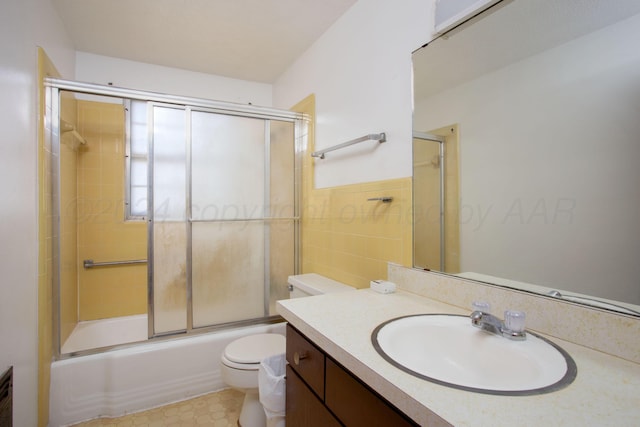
pixel 219 409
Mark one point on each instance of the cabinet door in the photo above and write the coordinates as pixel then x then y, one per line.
pixel 303 408
pixel 355 404
pixel 306 359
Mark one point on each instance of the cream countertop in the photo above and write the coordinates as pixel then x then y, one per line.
pixel 606 391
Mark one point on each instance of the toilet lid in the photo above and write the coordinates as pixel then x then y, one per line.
pixel 254 348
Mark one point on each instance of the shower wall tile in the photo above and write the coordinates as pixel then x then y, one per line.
pixel 68 219
pixel 103 234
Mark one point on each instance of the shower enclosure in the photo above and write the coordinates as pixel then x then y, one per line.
pixel 180 213
pixel 436 200
pixel 429 201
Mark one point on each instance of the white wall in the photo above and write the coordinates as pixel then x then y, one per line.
pixel 103 70
pixel 24 24
pixel 549 189
pixel 360 72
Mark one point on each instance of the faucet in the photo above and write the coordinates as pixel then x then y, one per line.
pixel 512 328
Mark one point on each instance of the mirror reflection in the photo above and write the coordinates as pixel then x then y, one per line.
pixel 538 104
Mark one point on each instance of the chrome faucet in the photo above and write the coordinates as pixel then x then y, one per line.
pixel 512 328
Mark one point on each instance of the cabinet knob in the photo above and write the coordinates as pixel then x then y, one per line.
pixel 297 357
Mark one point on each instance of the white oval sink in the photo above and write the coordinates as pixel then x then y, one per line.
pixel 448 350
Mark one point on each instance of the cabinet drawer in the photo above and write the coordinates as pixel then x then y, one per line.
pixel 356 405
pixel 306 359
pixel 303 407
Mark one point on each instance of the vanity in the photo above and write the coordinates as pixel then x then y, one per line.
pixel 334 331
pixel 322 393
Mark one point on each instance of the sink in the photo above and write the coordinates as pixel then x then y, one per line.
pixel 448 350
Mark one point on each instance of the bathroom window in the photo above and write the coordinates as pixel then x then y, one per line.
pixel 137 159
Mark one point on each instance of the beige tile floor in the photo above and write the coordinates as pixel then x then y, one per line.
pixel 219 409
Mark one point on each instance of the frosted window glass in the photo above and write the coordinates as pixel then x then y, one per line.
pixel 169 220
pixel 139 199
pixel 138 120
pixel 139 158
pixel 139 172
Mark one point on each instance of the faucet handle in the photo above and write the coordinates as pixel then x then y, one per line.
pixel 482 306
pixel 514 320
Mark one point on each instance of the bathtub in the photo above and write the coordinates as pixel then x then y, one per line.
pixel 106 332
pixel 143 376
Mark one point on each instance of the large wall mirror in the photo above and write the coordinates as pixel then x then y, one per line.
pixel 540 103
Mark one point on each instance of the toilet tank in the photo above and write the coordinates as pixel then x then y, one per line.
pixel 304 285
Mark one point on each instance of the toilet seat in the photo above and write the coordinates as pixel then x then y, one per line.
pixel 246 353
pixel 239 366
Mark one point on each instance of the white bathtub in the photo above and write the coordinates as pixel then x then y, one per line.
pixel 106 332
pixel 140 377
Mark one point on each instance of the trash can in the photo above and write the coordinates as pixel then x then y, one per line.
pixel 271 386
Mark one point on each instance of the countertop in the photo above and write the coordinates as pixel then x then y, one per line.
pixel 606 391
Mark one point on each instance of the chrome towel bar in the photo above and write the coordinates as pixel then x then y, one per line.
pixel 380 137
pixel 89 263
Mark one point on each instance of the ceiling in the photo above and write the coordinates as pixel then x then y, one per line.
pixel 255 40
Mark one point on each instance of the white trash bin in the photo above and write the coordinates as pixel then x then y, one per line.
pixel 271 386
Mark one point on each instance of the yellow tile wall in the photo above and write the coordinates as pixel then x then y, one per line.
pixel 103 234
pixel 68 222
pixel 344 236
pixel 45 246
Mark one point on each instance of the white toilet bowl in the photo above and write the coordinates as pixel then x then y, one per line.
pixel 241 358
pixel 239 369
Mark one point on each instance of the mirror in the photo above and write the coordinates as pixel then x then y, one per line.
pixel 542 100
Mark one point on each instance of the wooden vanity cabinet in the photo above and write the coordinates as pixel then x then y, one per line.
pixel 306 359
pixel 305 409
pixel 320 392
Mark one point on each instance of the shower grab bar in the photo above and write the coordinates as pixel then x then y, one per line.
pixel 380 137
pixel 89 263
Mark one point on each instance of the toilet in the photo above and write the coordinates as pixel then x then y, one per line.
pixel 241 358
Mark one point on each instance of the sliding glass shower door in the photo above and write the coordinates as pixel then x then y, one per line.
pixel 227 207
pixel 204 193
pixel 168 230
pixel 222 217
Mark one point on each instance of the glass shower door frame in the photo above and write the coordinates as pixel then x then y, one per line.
pixel 53 88
pixel 441 209
pixel 151 218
